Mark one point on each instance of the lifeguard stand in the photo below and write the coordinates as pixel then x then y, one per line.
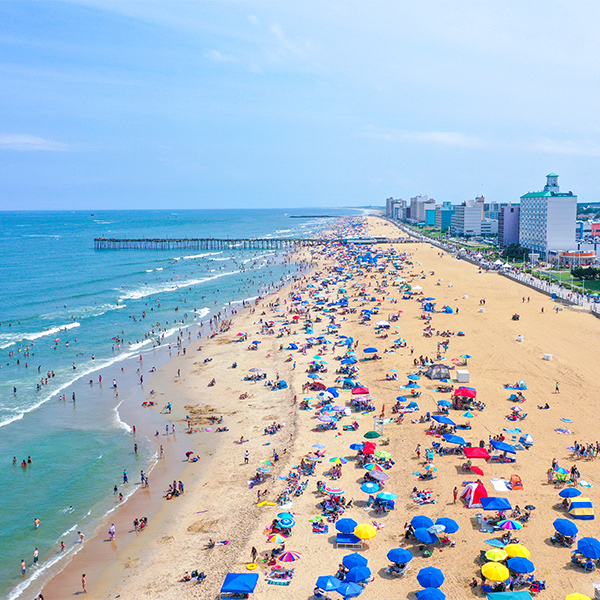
pixel 379 425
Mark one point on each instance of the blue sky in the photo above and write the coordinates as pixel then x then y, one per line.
pixel 282 104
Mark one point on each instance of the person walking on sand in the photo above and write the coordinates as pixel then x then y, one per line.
pixel 111 532
pixel 84 583
pixel 418 451
pixel 455 494
pixel 557 388
pixel 246 457
pixel 254 553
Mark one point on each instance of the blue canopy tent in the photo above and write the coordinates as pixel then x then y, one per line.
pixel 502 446
pixel 443 419
pixel 454 439
pixel 239 583
pixel 495 503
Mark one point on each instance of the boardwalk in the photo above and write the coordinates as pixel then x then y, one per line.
pixel 223 244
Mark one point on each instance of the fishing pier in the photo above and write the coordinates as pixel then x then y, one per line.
pixel 230 243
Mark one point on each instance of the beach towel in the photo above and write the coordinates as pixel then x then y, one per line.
pixel 562 430
pixel 515 430
pixel 501 485
pixel 566 420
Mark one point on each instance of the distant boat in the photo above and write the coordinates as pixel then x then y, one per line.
pixel 92 215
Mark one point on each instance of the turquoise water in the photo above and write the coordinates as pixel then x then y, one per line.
pixel 63 305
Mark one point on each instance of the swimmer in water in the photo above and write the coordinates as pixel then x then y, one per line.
pixel 36 522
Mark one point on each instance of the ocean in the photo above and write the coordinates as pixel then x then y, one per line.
pixel 70 314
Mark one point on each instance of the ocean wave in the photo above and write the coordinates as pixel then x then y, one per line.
pixel 8 339
pixel 148 290
pixel 193 256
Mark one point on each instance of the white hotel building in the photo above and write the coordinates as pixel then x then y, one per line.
pixel 547 219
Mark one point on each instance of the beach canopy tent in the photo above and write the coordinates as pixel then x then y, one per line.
pixel 477 452
pixel 239 583
pixel 473 494
pixel 465 392
pixel 581 508
pixel 520 595
pixel 438 372
pixel 495 503
pixel 503 446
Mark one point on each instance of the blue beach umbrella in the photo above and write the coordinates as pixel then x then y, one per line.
pixel 430 577
pixel 502 446
pixel 349 589
pixel 520 565
pixel 256 343
pixel 346 525
pixel 450 525
pixel 354 560
pixel 443 419
pixel 387 496
pixel 320 446
pixel 401 398
pixel 566 527
pixel 569 493
pixel 356 446
pixel 412 386
pixel 333 391
pixel 423 535
pixel 589 547
pixel 454 439
pixel 430 594
pixel 399 555
pixel 369 487
pixel 287 523
pixel 444 403
pixel 421 522
pixel 285 515
pixel 328 583
pixel 413 377
pixel 370 350
pixel 357 574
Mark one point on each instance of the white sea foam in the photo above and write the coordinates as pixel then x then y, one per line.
pixel 148 290
pixel 8 339
pixel 193 256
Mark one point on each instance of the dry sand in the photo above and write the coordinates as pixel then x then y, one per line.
pixel 218 504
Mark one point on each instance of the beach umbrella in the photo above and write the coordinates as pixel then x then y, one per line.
pixel 333 391
pixel 430 594
pixel 561 471
pixel 328 583
pixel 401 398
pixel 421 521
pixel 387 496
pixel 383 454
pixel 413 377
pixel 577 596
pixel 476 452
pixel 430 468
pixel 369 487
pixel 290 556
pixel 450 525
pixel 370 350
pixel 346 525
pixel 465 356
pixel 334 491
pixel 589 547
pixel 354 560
pixel 454 439
pixel 369 448
pixel 365 531
pixel 566 527
pixel 436 529
pixel 374 467
pixel 468 414
pixel 399 556
pixel 520 565
pixel 371 435
pixel 444 403
pixel 510 524
pixel 285 515
pixel 287 523
pixel 276 539
pixel 412 386
pixel 502 446
pixel 517 550
pixel 379 476
pixel 349 589
pixel 340 460
pixel 496 554
pixel 477 470
pixel 424 536
pixel 256 370
pixel 313 376
pixel 356 446
pixel 494 571
pixel 357 574
pixel 443 419
pixel 255 343
pixel 320 446
pixel 430 577
pixel 360 391
pixel 325 419
pixel 569 493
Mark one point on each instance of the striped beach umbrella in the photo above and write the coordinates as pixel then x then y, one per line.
pixel 510 524
pixel 374 467
pixel 276 539
pixel 334 491
pixel 383 454
pixel 340 460
pixel 290 556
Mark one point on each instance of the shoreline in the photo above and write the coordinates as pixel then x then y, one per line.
pixel 98 553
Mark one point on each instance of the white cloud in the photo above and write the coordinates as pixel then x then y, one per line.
pixel 219 57
pixel 25 142
pixel 567 147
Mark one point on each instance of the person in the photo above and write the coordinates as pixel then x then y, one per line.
pixel 557 388
pixel 111 531
pixel 36 557
pixel 455 494
pixel 246 457
pixel 162 452
pixel 81 536
pixel 474 583
pixel 23 568
pixel 62 546
pixel 418 451
pixel 36 522
pixel 254 553
pixel 84 583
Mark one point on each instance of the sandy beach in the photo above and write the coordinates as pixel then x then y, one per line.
pixel 219 505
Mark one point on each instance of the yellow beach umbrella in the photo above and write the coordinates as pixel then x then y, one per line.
pixel 517 550
pixel 496 554
pixel 364 531
pixel 577 597
pixel 494 571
